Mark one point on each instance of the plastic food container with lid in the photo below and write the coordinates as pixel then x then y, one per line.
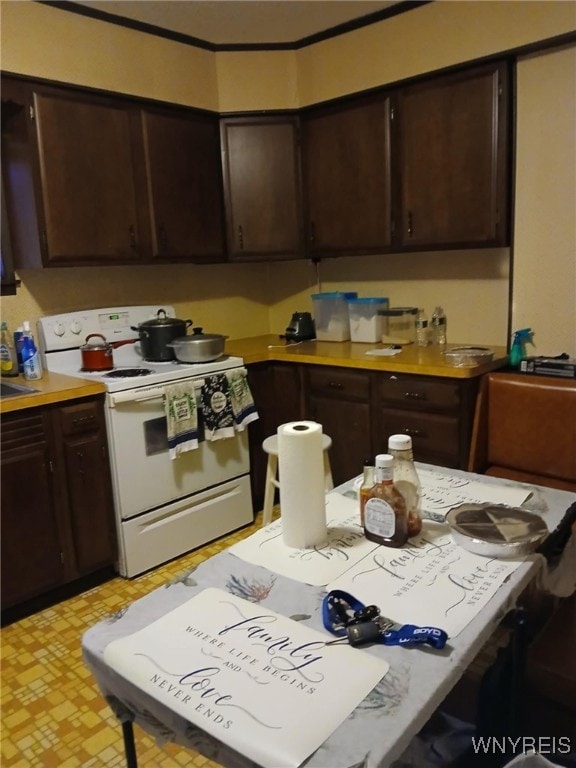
pixel 331 315
pixel 401 325
pixel 366 322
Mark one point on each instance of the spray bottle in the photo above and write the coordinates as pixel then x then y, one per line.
pixel 519 341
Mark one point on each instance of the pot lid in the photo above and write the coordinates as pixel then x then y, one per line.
pixel 98 343
pixel 161 321
pixel 198 335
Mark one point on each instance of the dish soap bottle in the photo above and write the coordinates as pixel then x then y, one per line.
pixel 384 512
pixel 30 355
pixel 8 361
pixel 439 327
pixel 406 480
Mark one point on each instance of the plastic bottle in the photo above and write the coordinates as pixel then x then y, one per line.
pixel 439 324
pixel 367 485
pixel 8 361
pixel 406 480
pixel 384 512
pixel 518 349
pixel 18 333
pixel 422 330
pixel 30 355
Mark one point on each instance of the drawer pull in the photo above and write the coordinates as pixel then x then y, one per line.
pixel 414 432
pixel 415 395
pixel 81 420
pixel 335 385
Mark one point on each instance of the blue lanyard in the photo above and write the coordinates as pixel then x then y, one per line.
pixel 346 617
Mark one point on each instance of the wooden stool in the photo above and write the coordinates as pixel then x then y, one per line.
pixel 270 446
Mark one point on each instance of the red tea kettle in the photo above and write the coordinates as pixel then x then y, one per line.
pixel 98 355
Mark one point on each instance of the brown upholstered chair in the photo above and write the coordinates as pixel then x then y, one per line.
pixel 525 429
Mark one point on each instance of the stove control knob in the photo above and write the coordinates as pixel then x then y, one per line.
pixel 76 327
pixel 59 329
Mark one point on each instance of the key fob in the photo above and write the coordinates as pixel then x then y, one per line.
pixel 367 632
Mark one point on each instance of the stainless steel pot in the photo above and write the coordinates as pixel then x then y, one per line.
pixel 199 347
pixel 157 333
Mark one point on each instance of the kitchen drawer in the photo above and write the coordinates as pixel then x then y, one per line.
pixel 338 382
pixel 433 435
pixel 419 392
pixel 79 418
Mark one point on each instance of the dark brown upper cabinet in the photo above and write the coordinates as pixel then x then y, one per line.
pixel 262 187
pixel 452 142
pixel 93 180
pixel 346 159
pixel 184 186
pixel 89 196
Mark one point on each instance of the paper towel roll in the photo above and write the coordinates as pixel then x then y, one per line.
pixel 302 492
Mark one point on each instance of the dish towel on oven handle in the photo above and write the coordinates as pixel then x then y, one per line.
pixel 181 418
pixel 243 406
pixel 216 407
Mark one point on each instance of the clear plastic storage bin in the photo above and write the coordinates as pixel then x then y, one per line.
pixel 401 325
pixel 331 315
pixel 366 324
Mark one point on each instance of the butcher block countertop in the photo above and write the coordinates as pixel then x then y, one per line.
pixel 425 361
pixel 52 388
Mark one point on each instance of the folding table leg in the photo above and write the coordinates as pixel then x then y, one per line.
pixel 129 745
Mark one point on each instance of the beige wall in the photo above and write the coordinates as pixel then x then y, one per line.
pixel 544 284
pixel 244 300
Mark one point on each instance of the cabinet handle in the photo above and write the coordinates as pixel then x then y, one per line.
pixel 415 395
pixel 132 233
pixel 240 238
pixel 335 385
pixel 162 238
pixel 80 457
pixel 312 233
pixel 410 228
pixel 414 432
pixel 79 421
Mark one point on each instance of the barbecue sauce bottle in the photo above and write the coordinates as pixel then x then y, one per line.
pixel 384 509
pixel 406 480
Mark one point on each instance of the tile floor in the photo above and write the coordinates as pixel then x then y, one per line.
pixel 53 715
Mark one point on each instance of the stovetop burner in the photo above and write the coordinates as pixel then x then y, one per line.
pixel 127 373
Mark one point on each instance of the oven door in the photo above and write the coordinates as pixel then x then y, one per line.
pixel 144 475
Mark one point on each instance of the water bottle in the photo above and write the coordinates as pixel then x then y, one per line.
pixel 30 355
pixel 406 480
pixel 422 332
pixel 439 327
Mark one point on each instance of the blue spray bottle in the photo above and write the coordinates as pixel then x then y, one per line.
pixel 519 341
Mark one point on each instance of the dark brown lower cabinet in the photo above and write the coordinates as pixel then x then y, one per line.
pixel 57 506
pixel 339 399
pixel 359 410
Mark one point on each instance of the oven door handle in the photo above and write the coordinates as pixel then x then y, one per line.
pixel 142 394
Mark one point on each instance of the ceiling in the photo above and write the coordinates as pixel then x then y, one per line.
pixel 239 23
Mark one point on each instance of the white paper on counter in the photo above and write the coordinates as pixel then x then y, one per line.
pixel 318 565
pixel 265 685
pixel 442 491
pixel 431 581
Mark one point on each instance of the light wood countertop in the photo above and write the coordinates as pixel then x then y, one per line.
pixel 425 361
pixel 51 388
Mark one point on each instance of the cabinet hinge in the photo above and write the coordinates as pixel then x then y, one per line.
pixel 31 112
pixel 62 557
pixel 392 113
pixel 50 466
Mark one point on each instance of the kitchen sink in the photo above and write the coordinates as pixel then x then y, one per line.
pixel 11 390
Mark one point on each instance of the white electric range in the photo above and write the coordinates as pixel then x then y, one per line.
pixel 164 507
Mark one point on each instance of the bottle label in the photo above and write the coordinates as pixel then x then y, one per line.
pixel 379 518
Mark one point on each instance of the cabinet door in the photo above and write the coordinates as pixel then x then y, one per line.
pixel 340 401
pixel 82 440
pixel 184 187
pixel 453 145
pixel 262 187
pixel 278 395
pixel 346 154
pixel 32 556
pixel 89 212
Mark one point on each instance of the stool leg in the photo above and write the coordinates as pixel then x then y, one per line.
pixel 269 489
pixel 328 481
